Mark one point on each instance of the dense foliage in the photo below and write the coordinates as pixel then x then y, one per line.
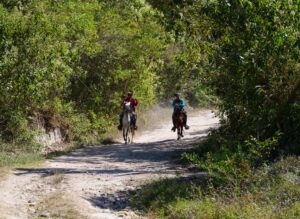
pixel 253 52
pixel 258 74
pixel 67 64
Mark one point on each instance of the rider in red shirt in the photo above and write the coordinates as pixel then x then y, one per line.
pixel 133 104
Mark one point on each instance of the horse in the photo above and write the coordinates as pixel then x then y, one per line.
pixel 128 127
pixel 179 122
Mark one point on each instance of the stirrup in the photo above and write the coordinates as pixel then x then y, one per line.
pixel 119 127
pixel 186 127
pixel 173 129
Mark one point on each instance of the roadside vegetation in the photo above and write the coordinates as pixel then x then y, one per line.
pixel 12 155
pixel 270 191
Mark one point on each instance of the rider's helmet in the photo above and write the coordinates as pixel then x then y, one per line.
pixel 176 95
pixel 130 93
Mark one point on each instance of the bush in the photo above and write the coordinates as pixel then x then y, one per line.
pixel 256 75
pixel 271 191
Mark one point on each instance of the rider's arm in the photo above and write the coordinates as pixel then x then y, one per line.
pixel 181 103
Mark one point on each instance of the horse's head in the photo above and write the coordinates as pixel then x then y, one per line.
pixel 127 106
pixel 178 108
pixel 179 116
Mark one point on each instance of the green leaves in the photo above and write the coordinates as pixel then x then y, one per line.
pixel 256 49
pixel 73 59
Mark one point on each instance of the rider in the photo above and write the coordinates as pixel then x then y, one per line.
pixel 179 102
pixel 133 104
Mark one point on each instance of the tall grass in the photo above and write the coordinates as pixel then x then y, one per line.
pixel 271 191
pixel 13 154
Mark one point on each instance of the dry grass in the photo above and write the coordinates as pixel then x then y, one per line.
pixel 3 174
pixel 58 205
pixel 57 179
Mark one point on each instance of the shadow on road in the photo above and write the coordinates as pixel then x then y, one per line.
pixel 172 188
pixel 130 153
pixel 98 157
pixel 44 172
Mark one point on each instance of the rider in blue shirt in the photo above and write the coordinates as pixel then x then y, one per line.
pixel 179 102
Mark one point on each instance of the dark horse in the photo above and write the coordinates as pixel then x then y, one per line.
pixel 179 122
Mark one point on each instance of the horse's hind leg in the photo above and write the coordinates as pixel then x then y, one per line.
pixel 178 134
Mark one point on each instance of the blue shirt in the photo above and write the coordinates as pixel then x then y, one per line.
pixel 180 102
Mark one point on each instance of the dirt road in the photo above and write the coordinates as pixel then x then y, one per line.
pixel 93 182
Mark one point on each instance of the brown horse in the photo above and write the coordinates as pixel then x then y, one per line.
pixel 179 122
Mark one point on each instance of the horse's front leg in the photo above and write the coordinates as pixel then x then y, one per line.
pixel 178 133
pixel 124 135
pixel 127 138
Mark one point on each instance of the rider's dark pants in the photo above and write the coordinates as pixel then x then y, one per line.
pixel 134 117
pixel 185 117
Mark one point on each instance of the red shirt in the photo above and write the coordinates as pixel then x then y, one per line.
pixel 133 102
